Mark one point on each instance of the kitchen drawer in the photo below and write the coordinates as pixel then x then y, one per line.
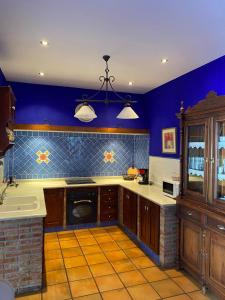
pixel 190 214
pixel 109 199
pixel 216 225
pixel 108 205
pixel 109 190
pixel 108 216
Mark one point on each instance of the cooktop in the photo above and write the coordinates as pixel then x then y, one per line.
pixel 79 180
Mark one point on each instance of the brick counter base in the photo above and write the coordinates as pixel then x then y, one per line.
pixel 21 243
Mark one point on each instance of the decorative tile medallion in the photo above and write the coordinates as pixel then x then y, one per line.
pixel 109 157
pixel 43 157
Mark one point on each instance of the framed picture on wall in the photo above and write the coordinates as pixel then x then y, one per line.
pixel 169 139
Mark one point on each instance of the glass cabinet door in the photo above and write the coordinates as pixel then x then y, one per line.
pixel 195 158
pixel 220 161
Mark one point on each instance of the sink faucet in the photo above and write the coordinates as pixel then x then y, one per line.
pixel 3 193
pixel 10 182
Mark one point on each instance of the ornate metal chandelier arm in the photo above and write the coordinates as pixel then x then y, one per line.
pixel 99 91
pixel 118 95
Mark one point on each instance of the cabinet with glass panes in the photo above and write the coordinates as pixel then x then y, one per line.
pixel 201 203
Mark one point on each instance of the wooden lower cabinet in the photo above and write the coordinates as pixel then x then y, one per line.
pixel 191 246
pixel 150 224
pixel 54 201
pixel 202 248
pixel 215 261
pixel 108 203
pixel 130 210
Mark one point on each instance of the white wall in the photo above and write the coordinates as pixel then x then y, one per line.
pixel 161 168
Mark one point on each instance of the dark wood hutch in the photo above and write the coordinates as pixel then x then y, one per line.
pixel 201 204
pixel 7 119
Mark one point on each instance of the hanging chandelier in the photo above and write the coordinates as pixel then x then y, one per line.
pixel 85 112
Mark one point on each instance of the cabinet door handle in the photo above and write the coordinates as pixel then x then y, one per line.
pixel 13 108
pixel 127 196
pixel 147 208
pixel 189 213
pixel 220 227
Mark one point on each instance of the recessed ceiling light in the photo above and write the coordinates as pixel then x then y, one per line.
pixel 41 74
pixel 44 43
pixel 130 83
pixel 164 60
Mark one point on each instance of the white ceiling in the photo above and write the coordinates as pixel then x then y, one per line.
pixel 136 33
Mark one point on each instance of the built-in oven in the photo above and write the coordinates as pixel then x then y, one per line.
pixel 81 205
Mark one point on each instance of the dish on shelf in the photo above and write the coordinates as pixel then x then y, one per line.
pixel 196 172
pixel 198 145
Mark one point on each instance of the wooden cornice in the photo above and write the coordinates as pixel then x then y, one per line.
pixel 46 127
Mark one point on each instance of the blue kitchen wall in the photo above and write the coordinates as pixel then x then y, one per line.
pixel 38 154
pixel 54 105
pixel 2 78
pixel 164 101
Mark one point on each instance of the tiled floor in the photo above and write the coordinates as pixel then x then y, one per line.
pixel 103 263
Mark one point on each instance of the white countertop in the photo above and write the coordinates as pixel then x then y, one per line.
pixel 35 188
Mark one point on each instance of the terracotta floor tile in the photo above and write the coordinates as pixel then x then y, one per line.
pixel 123 265
pixel 51 246
pixel 143 292
pixel 102 269
pixel 173 273
pixel 90 297
pixel 126 244
pixel 108 282
pixel 53 254
pixel 109 246
pixel 83 287
pixel 98 231
pixel 76 261
pixel 179 297
pixel 132 278
pixel 197 295
pixel 30 297
pixel 51 234
pixel 87 241
pixel 54 264
pixel 54 277
pixel 91 249
pixel 65 232
pixel 69 244
pixel 120 294
pixel 49 239
pixel 119 237
pixel 186 284
pixel 97 258
pixel 134 252
pixel 115 255
pixel 82 233
pixel 142 262
pixel 70 252
pixel 68 238
pixel 57 292
pixel 153 274
pixel 78 273
pixel 103 238
pixel 167 288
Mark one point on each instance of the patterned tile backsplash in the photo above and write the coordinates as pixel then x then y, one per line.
pixel 39 154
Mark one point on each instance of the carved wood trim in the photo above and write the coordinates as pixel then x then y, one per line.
pixel 46 127
pixel 211 102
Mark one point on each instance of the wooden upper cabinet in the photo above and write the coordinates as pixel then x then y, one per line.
pixel 196 159
pixel 7 119
pixel 54 201
pixel 130 210
pixel 203 150
pixel 150 224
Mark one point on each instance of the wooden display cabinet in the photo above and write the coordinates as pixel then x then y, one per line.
pixel 201 204
pixel 7 118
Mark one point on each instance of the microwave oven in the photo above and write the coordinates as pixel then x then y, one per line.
pixel 171 188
